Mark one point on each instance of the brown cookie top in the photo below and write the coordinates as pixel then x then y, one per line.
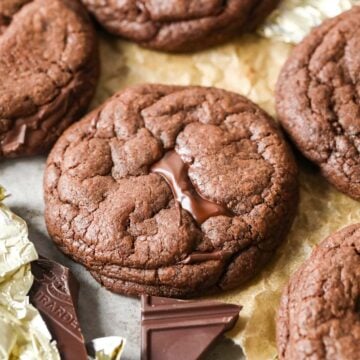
pixel 319 316
pixel 179 25
pixel 318 99
pixel 48 71
pixel 109 206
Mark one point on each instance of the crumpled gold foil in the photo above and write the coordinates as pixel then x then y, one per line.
pixel 249 65
pixel 23 334
pixel 107 348
pixel 293 19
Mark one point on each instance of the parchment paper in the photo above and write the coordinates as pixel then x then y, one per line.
pixel 293 19
pixel 248 65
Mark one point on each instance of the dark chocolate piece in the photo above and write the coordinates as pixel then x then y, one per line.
pixel 55 293
pixel 176 329
pixel 175 172
pixel 197 257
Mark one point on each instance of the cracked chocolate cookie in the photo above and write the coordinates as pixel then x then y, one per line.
pixel 179 25
pixel 171 191
pixel 48 72
pixel 318 100
pixel 319 316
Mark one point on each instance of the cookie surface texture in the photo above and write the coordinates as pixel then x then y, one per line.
pixel 48 72
pixel 318 103
pixel 319 312
pixel 179 25
pixel 109 207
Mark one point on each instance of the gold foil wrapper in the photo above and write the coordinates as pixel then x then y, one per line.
pixel 2 193
pixel 106 348
pixel 294 19
pixel 23 334
pixel 249 65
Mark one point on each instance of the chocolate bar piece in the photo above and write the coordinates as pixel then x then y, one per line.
pixel 55 294
pixel 176 329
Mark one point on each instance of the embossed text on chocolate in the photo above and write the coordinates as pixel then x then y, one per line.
pixel 56 309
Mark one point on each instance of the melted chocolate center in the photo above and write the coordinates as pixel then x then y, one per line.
pixel 175 172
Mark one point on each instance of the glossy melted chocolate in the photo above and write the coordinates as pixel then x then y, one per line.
pixel 175 172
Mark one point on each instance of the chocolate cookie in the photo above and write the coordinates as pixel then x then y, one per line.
pixel 319 316
pixel 48 72
pixel 318 103
pixel 179 25
pixel 171 190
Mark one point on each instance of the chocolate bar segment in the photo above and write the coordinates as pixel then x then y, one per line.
pixel 176 329
pixel 55 294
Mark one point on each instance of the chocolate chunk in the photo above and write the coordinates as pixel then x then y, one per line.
pixel 197 257
pixel 176 329
pixel 175 172
pixel 55 293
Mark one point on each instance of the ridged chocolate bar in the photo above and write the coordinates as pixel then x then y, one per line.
pixel 176 329
pixel 55 293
